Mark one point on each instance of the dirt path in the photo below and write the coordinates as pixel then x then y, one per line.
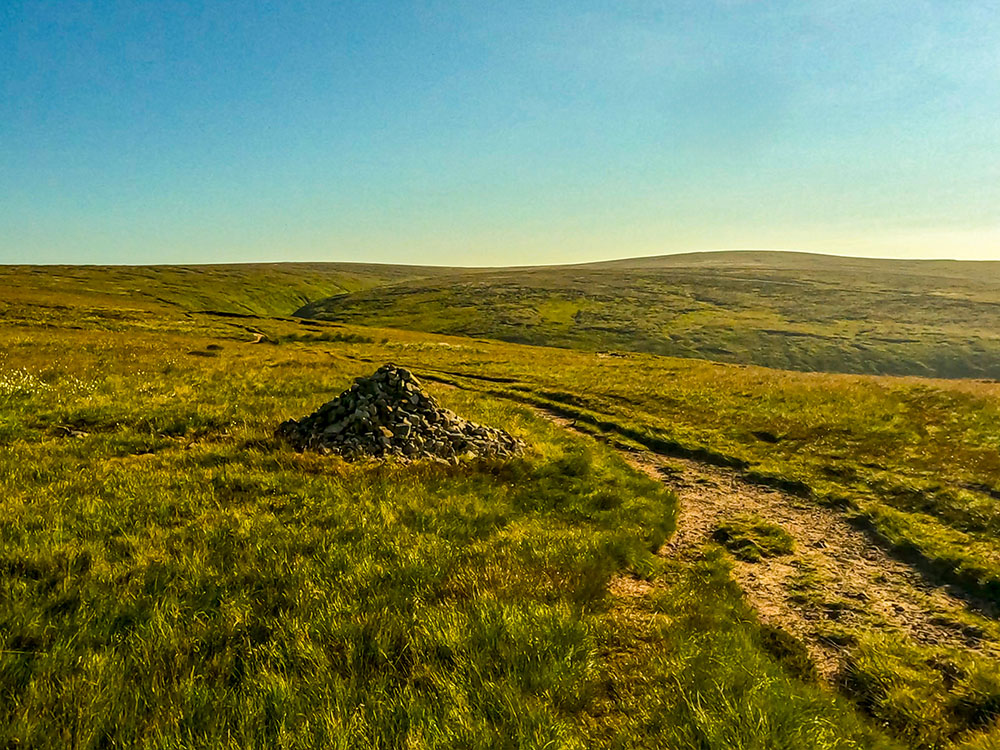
pixel 838 583
pixel 837 580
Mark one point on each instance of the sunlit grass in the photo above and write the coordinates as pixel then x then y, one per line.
pixel 173 577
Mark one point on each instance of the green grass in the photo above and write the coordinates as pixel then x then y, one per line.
pixel 172 577
pixel 109 294
pixel 783 310
pixel 926 696
pixel 239 599
pixel 751 538
pixel 916 460
pixel 693 669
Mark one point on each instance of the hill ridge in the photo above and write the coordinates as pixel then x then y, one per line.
pixel 799 312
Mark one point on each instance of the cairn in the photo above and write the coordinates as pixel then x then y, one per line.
pixel 388 414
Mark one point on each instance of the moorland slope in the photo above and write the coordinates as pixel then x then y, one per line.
pixel 783 310
pixel 151 526
pixel 237 288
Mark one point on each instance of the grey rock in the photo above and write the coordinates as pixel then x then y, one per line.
pixel 388 414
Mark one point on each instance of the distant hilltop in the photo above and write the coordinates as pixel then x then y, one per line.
pixel 789 310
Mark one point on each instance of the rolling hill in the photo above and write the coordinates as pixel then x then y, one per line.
pixel 238 288
pixel 785 310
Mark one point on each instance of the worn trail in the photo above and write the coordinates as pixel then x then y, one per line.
pixel 837 581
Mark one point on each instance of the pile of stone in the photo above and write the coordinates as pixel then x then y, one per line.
pixel 388 414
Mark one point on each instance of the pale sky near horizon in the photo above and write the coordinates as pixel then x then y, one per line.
pixel 467 133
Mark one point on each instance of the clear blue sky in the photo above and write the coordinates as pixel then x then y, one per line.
pixel 488 133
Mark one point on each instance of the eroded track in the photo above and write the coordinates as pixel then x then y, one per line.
pixel 837 582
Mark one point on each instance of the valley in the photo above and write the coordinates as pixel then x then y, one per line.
pixel 780 310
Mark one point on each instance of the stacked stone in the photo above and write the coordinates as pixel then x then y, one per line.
pixel 389 414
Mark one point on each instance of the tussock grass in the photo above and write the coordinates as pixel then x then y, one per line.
pixel 694 670
pixel 916 460
pixel 752 538
pixel 927 696
pixel 172 577
pixel 252 597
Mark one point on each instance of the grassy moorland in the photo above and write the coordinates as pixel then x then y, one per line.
pixel 782 310
pixel 66 293
pixel 172 577
pixel 917 459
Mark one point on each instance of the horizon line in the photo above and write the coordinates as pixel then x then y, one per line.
pixel 625 258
